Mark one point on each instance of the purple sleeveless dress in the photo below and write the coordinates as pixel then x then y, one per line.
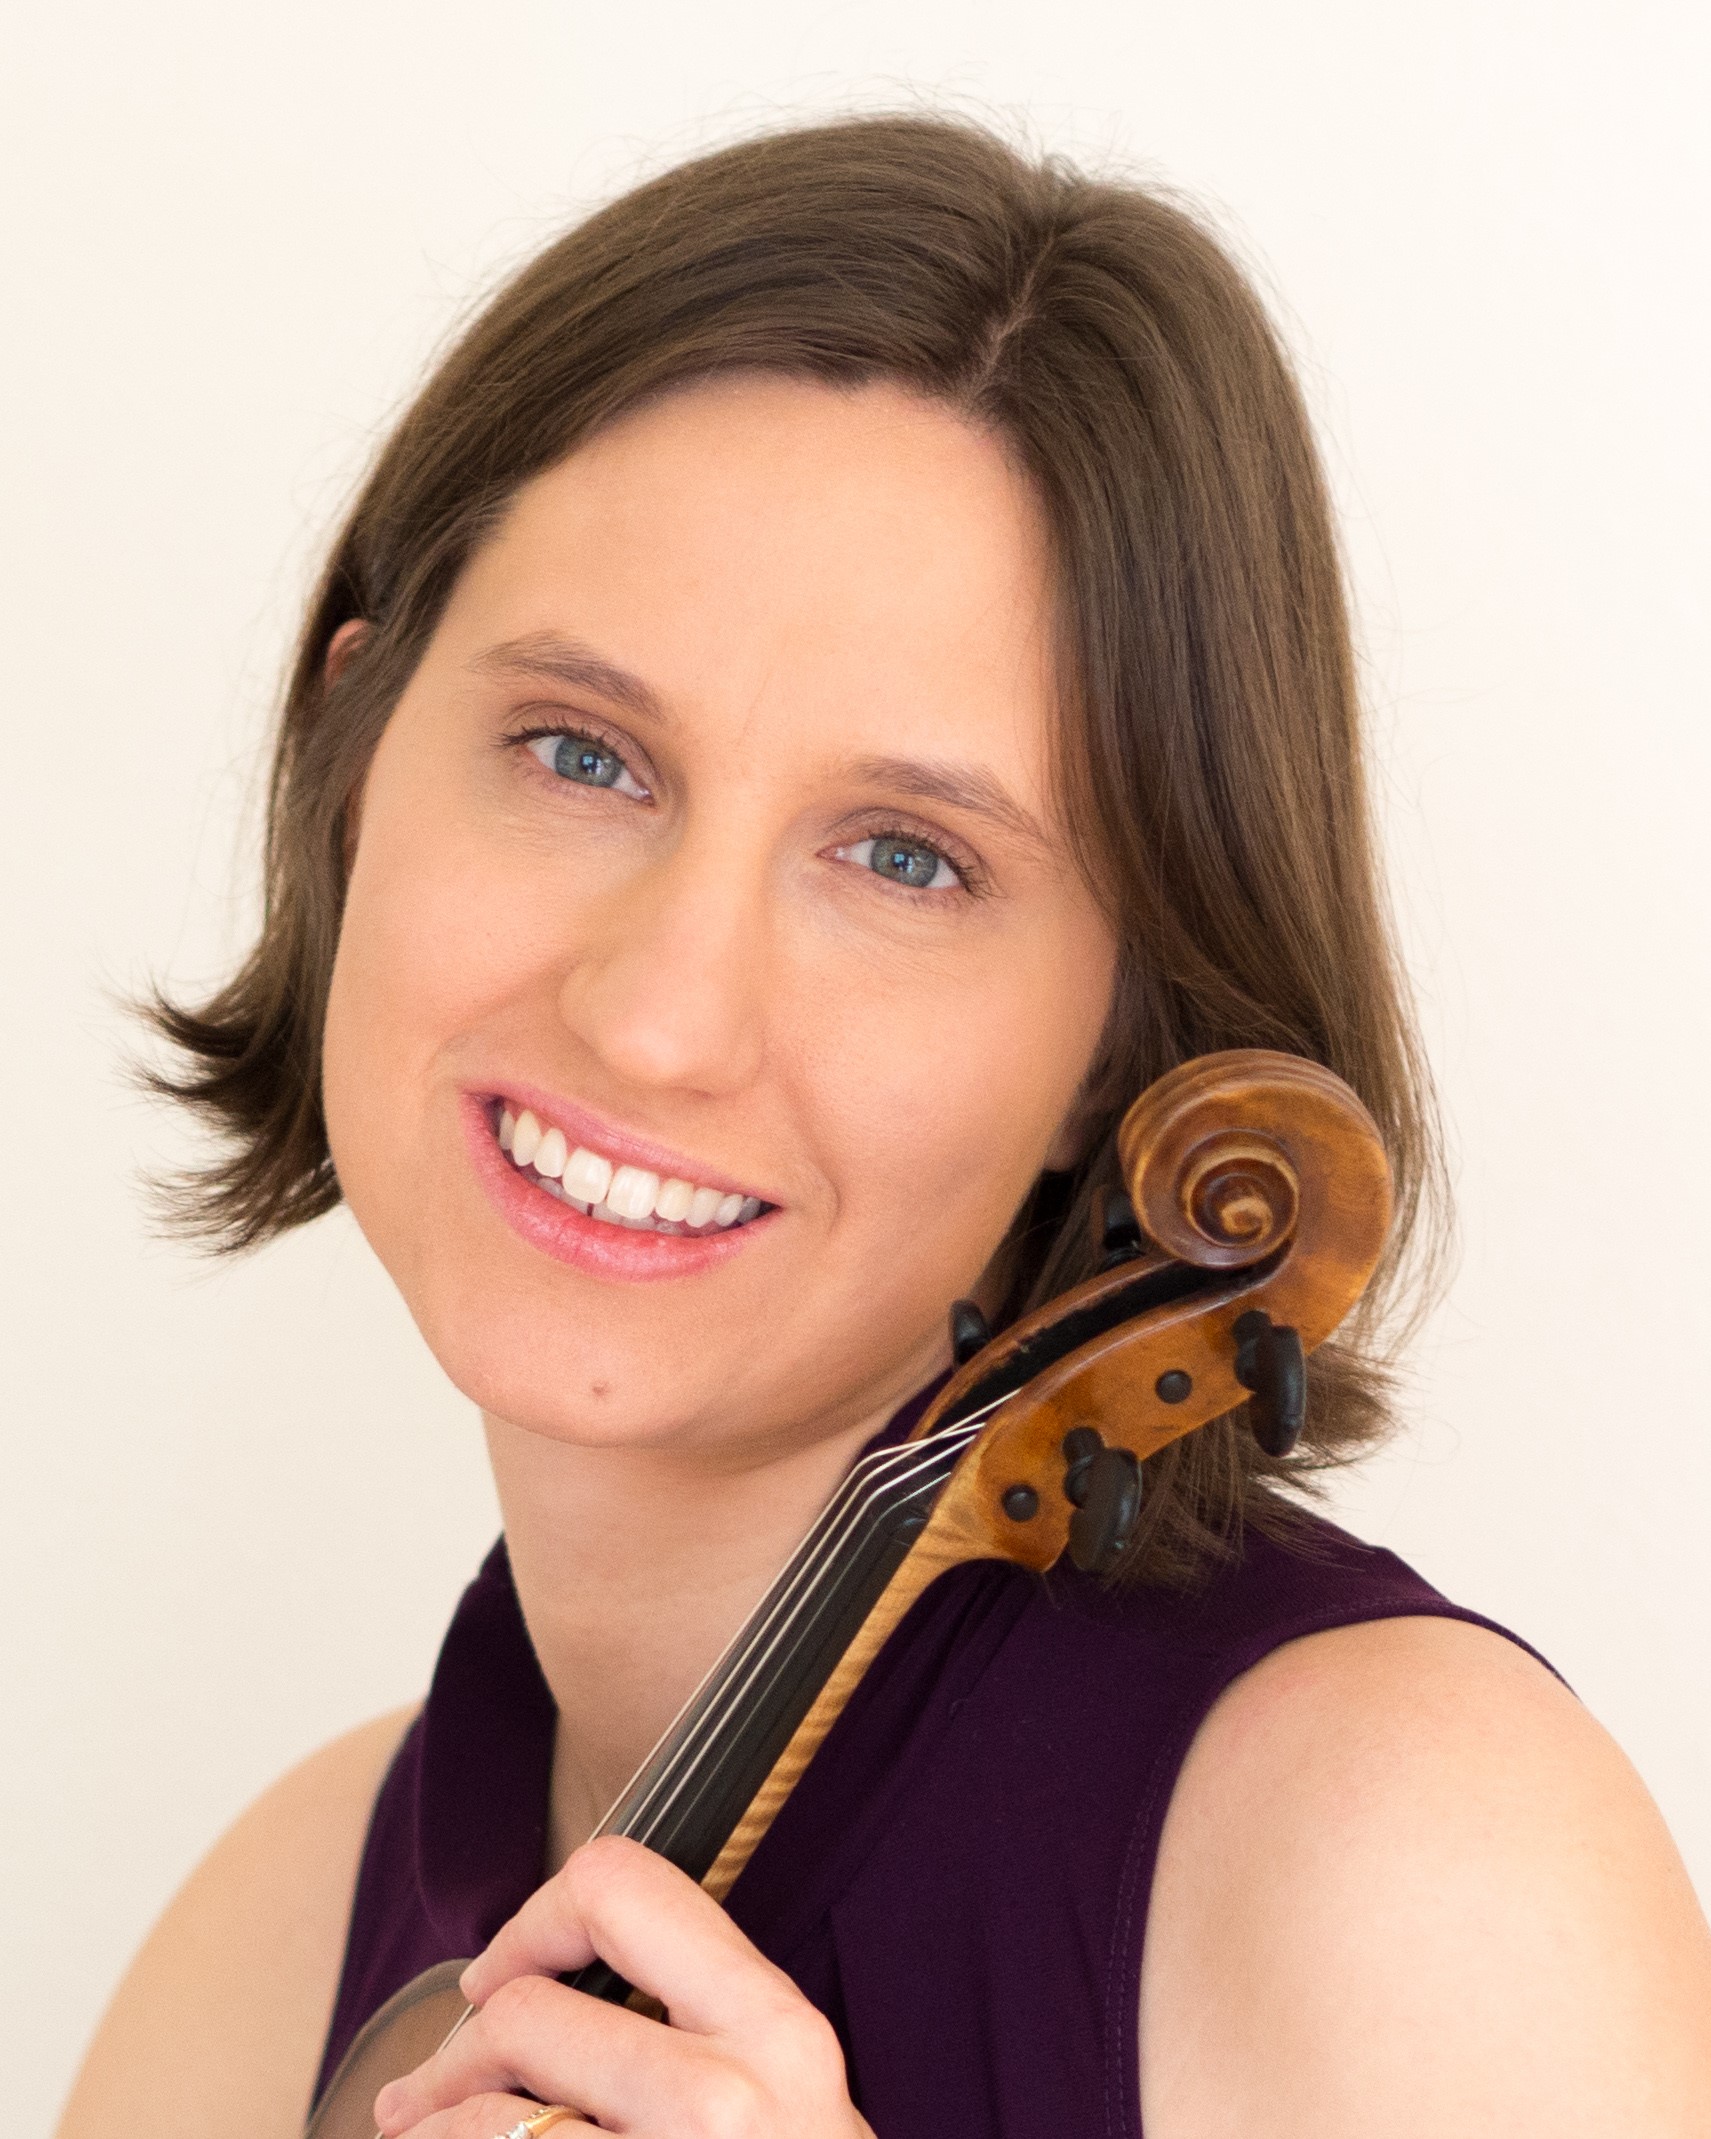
pixel 960 1880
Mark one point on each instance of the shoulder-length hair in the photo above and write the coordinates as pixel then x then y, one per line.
pixel 1209 762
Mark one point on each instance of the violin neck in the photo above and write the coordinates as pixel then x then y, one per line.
pixel 710 1788
pixel 691 1792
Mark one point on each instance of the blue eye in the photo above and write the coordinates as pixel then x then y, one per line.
pixel 909 862
pixel 585 760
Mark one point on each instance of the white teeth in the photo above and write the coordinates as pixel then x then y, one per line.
pixel 587 1175
pixel 632 1192
pixel 624 1195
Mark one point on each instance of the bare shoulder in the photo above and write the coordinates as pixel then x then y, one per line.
pixel 217 2026
pixel 1407 1884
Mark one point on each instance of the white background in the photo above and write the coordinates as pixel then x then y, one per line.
pixel 238 1503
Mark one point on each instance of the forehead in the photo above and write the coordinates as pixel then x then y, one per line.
pixel 774 547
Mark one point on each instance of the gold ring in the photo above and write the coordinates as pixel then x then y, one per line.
pixel 545 2119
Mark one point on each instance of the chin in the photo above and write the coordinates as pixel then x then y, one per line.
pixel 517 1357
pixel 735 1353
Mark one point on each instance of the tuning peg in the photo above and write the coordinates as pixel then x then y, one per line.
pixel 1270 1361
pixel 1110 1501
pixel 970 1331
pixel 1080 1445
pixel 1116 1230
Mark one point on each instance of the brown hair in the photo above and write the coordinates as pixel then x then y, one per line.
pixel 1210 762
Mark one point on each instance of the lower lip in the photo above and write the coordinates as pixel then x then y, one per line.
pixel 621 1253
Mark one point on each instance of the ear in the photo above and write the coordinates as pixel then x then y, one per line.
pixel 343 643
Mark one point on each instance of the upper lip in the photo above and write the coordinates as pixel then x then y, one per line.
pixel 582 1126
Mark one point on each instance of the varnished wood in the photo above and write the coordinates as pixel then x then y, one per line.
pixel 938 1548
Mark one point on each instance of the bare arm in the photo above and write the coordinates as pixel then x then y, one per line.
pixel 217 2026
pixel 1409 1886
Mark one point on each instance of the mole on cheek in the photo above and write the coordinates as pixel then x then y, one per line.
pixel 600 1388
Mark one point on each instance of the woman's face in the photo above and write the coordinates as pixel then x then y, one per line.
pixel 712 842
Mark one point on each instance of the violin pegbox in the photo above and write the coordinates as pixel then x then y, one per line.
pixel 1256 1205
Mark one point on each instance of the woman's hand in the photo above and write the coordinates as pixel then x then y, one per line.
pixel 745 2056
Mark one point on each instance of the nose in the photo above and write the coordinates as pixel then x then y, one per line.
pixel 667 987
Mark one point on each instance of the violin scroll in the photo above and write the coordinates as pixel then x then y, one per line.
pixel 1212 1185
pixel 1233 1158
pixel 1261 1200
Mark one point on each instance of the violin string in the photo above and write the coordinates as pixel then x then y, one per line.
pixel 826 1537
pixel 797 1589
pixel 623 1812
pixel 730 1657
pixel 683 1746
pixel 797 1585
pixel 706 1743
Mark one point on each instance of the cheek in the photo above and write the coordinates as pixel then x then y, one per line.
pixel 366 1090
pixel 954 1090
pixel 424 952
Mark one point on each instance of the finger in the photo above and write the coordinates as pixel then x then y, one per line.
pixel 558 2044
pixel 577 1916
pixel 487 2116
pixel 621 1903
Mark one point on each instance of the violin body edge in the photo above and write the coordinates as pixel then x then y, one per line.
pixel 409 2027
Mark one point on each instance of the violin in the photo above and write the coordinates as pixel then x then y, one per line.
pixel 1257 1206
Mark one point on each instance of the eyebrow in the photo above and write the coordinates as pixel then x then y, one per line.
pixel 554 658
pixel 960 787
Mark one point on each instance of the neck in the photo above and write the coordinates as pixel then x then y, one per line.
pixel 635 1568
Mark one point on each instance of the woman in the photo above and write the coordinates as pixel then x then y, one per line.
pixel 841 679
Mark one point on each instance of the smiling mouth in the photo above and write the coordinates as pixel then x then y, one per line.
pixel 615 1194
